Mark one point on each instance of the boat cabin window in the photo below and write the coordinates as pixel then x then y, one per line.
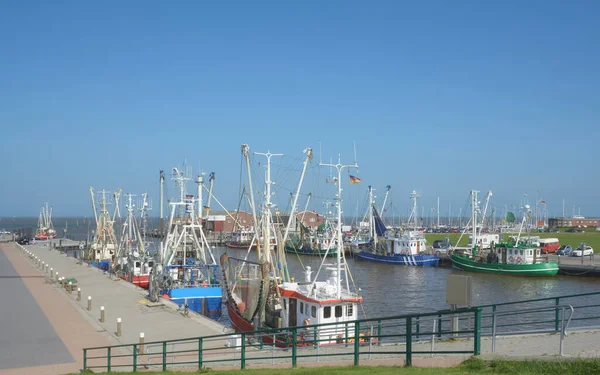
pixel 285 304
pixel 338 311
pixel 327 312
pixel 313 311
pixel 537 252
pixel 510 251
pixel 520 252
pixel 349 310
pixel 499 251
pixel 301 307
pixel 137 264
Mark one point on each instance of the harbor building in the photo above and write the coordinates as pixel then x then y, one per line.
pixel 577 221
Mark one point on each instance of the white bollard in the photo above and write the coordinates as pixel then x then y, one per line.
pixel 89 303
pixel 119 327
pixel 142 343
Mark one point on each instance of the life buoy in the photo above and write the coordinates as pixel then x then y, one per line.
pixel 519 260
pixel 511 259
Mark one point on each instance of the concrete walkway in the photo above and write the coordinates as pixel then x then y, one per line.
pixel 42 333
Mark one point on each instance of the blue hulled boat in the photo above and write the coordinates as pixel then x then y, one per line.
pixel 408 248
pixel 186 271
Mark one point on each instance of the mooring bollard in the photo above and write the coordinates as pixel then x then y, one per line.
pixel 51 273
pixel 56 276
pixel 142 343
pixel 118 327
pixel 78 294
pixel 70 287
pixel 101 314
pixel 89 303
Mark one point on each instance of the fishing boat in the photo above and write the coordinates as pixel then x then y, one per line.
pixel 185 270
pixel 408 247
pixel 103 248
pixel 134 264
pixel 320 242
pixel 45 229
pixel 517 257
pixel 242 238
pixel 261 294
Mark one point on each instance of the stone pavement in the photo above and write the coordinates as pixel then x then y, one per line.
pixel 50 332
pixel 120 299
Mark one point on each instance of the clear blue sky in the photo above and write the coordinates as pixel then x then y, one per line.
pixel 440 96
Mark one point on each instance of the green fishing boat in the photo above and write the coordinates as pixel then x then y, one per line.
pixel 506 258
pixel 308 243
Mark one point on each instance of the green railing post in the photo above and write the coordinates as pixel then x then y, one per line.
pixel 164 356
pixel 108 359
pixel 294 347
pixel 408 341
pixel 379 332
pixel 556 313
pixel 243 361
pixel 135 357
pixel 477 336
pixel 439 325
pixel 418 326
pixel 315 336
pixel 356 342
pixel 85 359
pixel 200 353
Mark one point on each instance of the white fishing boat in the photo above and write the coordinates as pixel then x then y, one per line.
pixel 263 295
pixel 134 264
pixel 45 229
pixel 103 248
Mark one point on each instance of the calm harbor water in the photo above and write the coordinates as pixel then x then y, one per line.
pixel 389 289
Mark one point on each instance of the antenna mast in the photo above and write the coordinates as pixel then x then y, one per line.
pixel 339 167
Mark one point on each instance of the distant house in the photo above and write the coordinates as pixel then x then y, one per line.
pixel 221 221
pixel 567 222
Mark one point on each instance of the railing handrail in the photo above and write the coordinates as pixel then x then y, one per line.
pixel 285 330
pixel 540 299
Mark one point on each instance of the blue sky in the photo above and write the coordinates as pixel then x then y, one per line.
pixel 439 96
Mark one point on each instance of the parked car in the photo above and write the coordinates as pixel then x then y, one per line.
pixel 581 251
pixel 564 250
pixel 442 246
pixel 23 241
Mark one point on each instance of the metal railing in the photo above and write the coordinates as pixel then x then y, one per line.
pixel 367 338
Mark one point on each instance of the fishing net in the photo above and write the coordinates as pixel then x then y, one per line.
pixel 247 285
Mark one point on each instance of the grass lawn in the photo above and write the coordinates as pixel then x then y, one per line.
pixel 591 237
pixel 553 366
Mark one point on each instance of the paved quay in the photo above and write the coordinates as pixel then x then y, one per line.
pixel 162 321
pixel 42 333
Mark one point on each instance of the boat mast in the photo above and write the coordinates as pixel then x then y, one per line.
pixel 414 196
pixel 161 202
pixel 257 232
pixel 340 244
pixel 309 156
pixel 387 192
pixel 268 217
pixel 474 205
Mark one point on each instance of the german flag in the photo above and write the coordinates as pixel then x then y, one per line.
pixel 354 180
